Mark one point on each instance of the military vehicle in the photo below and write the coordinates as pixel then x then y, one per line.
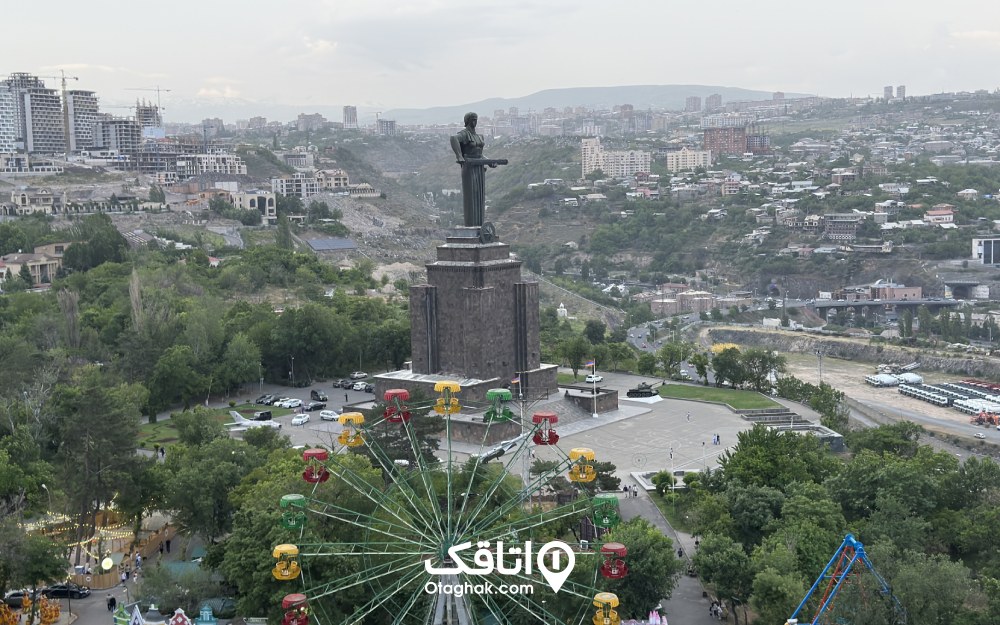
pixel 644 389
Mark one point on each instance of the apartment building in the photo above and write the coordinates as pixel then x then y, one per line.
pixel 841 226
pixel 82 112
pixel 686 160
pixel 43 121
pixel 713 101
pixel 386 127
pixel 116 134
pixel 8 121
pixel 692 104
pixel 887 93
pixel 147 115
pixel 330 179
pixel 257 123
pixel 297 185
pixel 198 164
pixel 18 83
pixel 614 163
pixel 350 117
pixel 727 141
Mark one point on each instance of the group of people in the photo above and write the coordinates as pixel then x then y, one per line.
pixel 716 439
pixel 718 610
pixel 630 491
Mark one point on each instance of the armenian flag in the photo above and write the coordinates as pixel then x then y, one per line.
pixel 591 363
pixel 516 379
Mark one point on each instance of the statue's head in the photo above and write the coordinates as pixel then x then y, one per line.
pixel 470 118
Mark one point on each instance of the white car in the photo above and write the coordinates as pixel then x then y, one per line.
pixel 359 386
pixel 594 378
pixel 328 415
pixel 358 375
pixel 280 403
pixel 292 403
pixel 980 435
pixel 301 419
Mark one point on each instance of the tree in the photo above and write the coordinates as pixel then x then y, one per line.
pixel 722 562
pixel 175 378
pixel 653 568
pixel 646 364
pixel 98 424
pixel 775 595
pixel 25 276
pixel 283 235
pixel 574 350
pixel 759 366
pixel 42 561
pixel 769 458
pixel 618 352
pixel 701 364
pixel 728 367
pixel 96 241
pixel 672 355
pixel 594 330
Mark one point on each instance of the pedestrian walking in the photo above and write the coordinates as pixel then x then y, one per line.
pixel 161 548
pixel 138 561
pixel 110 605
pixel 345 397
pixel 124 576
pixel 689 417
pixel 163 453
pixel 168 545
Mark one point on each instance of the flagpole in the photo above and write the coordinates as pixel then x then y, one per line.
pixel 593 371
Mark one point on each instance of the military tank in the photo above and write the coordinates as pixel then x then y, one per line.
pixel 644 389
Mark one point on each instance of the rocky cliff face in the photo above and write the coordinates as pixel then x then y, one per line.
pixel 971 365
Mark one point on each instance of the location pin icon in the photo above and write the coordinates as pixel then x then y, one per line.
pixel 558 569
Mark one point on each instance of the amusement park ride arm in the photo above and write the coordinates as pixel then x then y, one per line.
pixel 836 572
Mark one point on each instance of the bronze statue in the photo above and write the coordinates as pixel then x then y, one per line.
pixel 468 148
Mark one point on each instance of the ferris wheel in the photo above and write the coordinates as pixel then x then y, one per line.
pixel 446 541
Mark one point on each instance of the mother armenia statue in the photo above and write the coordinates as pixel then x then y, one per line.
pixel 468 148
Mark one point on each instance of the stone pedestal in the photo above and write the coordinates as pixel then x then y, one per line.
pixel 476 318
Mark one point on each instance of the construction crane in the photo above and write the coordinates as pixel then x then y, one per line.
pixel 840 570
pixel 62 77
pixel 157 89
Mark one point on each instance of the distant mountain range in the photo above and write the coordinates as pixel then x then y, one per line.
pixel 642 97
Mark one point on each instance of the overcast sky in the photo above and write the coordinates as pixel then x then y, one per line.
pixel 396 53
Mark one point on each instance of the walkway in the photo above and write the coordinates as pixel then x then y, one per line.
pixel 687 605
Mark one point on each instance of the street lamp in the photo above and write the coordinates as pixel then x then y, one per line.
pixel 291 374
pixel 46 489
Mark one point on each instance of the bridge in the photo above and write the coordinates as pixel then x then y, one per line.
pixel 932 303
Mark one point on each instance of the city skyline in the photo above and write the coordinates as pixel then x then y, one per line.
pixel 382 55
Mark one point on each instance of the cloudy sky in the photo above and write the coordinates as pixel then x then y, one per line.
pixel 397 53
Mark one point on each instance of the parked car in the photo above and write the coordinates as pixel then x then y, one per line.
pixel 359 386
pixel 264 400
pixel 288 402
pixel 369 388
pixel 314 405
pixel 280 402
pixel 980 435
pixel 359 375
pixel 318 395
pixel 262 415
pixel 328 415
pixel 593 378
pixel 301 419
pixel 343 383
pixel 15 598
pixel 66 589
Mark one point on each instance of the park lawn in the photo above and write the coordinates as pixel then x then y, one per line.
pixel 164 433
pixel 738 400
pixel 567 378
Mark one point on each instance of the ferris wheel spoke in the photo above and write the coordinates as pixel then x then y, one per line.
pixel 391 567
pixel 504 616
pixel 405 489
pixel 472 478
pixel 534 520
pixel 364 488
pixel 380 598
pixel 370 523
pixel 405 610
pixel 425 471
pixel 568 587
pixel 366 548
pixel 511 504
pixel 500 478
